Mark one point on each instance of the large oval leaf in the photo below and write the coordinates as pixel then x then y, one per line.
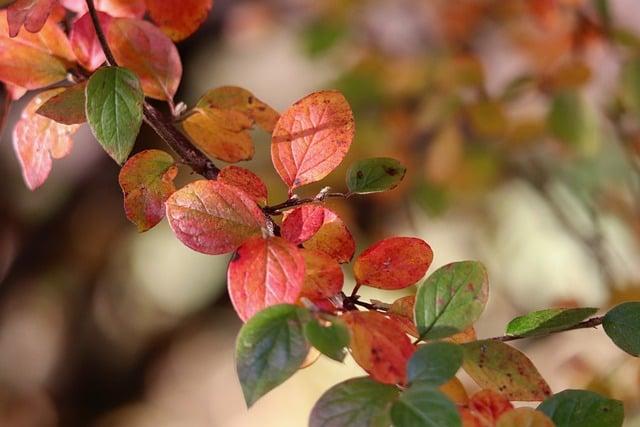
pixel 245 180
pixel 213 217
pixel 622 325
pixel 451 299
pixel 582 408
pixel 270 348
pixel 548 321
pixel 323 277
pixel 179 18
pixel 264 272
pixel 114 110
pixel 311 138
pixel 424 405
pixel 374 175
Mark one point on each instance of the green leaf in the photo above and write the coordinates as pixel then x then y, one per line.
pixel 622 324
pixel 434 363
pixel 67 107
pixel 581 408
pixel 547 321
pixel 630 82
pixel 424 405
pixel 451 299
pixel 374 175
pixel 270 348
pixel 358 402
pixel 114 110
pixel 572 121
pixel 330 340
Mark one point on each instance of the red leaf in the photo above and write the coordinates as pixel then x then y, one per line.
pixel 36 139
pixel 179 18
pixel 118 8
pixel 323 276
pixel 312 137
pixel 379 346
pixel 264 272
pixel 148 52
pixel 212 217
pixel 393 263
pixel 30 13
pixel 147 182
pixel 485 408
pixel 85 43
pixel 321 229
pixel 245 180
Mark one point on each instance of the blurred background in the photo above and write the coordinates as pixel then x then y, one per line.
pixel 519 122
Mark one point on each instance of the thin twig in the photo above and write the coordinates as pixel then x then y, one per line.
pixel 294 202
pixel 111 60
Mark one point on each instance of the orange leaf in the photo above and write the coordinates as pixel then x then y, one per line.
pixel 524 417
pixel 36 139
pixel 402 311
pixel 321 229
pixel 379 346
pixel 212 217
pixel 264 272
pixel 179 18
pixel 148 52
pixel 455 391
pixel 487 406
pixel 147 182
pixel 311 138
pixel 323 277
pixel 85 43
pixel 30 13
pixel 393 263
pixel 245 180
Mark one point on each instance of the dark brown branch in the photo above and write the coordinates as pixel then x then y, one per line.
pixel 589 323
pixel 111 60
pixel 294 202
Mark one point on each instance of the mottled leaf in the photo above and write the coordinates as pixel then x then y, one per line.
pixel 329 335
pixel 67 107
pixel 85 43
pixel 524 417
pixel 622 325
pixel 30 13
pixel 147 182
pixel 323 277
pixel 179 18
pixel 311 138
pixel 548 321
pixel 374 175
pixel 582 408
pixel 484 408
pixel 434 363
pixel 424 405
pixel 245 180
pixel 213 217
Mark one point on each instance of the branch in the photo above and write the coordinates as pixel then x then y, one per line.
pixel 294 201
pixel 589 323
pixel 111 60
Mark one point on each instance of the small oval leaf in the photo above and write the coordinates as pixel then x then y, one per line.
pixel 434 363
pixel 179 18
pixel 521 417
pixel 582 408
pixel 329 335
pixel 374 175
pixel 548 321
pixel 67 107
pixel 323 277
pixel 85 43
pixel 424 405
pixel 622 325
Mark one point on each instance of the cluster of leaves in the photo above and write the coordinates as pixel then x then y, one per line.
pixel 285 278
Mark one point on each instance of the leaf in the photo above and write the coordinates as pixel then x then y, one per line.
pixel 581 408
pixel 320 229
pixel 179 18
pixel 622 325
pixel 147 182
pixel 374 175
pixel 524 417
pixel 114 110
pixel 501 368
pixel 37 139
pixel 485 407
pixel 402 311
pixel 85 43
pixel 119 8
pixel 245 180
pixel 572 121
pixel 330 336
pixel 31 13
pixel 33 61
pixel 311 138
pixel 379 346
pixel 393 263
pixel 264 272
pixel 455 391
pixel 323 277
pixel 548 321
pixel 630 84
pixel 145 50
pixel 212 217
pixel 424 405
pixel 67 107
pixel 434 363
pixel 358 402
pixel 269 349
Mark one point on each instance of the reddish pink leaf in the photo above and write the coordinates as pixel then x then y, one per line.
pixel 213 217
pixel 148 52
pixel 85 43
pixel 379 345
pixel 264 272
pixel 117 8
pixel 30 13
pixel 312 137
pixel 245 180
pixel 179 18
pixel 393 263
pixel 147 182
pixel 321 229
pixel 323 276
pixel 36 139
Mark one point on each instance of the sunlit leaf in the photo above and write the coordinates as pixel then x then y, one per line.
pixel 581 408
pixel 374 175
pixel 423 404
pixel 547 321
pixel 213 217
pixel 147 182
pixel 622 325
pixel 67 107
pixel 484 408
pixel 264 272
pixel 85 43
pixel 245 180
pixel 455 391
pixel 179 18
pixel 323 277
pixel 524 417
pixel 311 138
pixel 434 363
pixel 270 348
pixel 330 336
pixel 393 263
pixel 114 110
pixel 30 13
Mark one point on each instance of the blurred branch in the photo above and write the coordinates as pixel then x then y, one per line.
pixel 594 322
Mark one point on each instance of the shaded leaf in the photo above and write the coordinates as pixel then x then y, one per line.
pixel 572 121
pixel 393 263
pixel 311 138
pixel 67 107
pixel 179 18
pixel 330 336
pixel 424 405
pixel 245 180
pixel 213 217
pixel 524 417
pixel 269 349
pixel 323 275
pixel 85 43
pixel 622 325
pixel 581 408
pixel 147 182
pixel 30 13
pixel 374 175
pixel 630 84
pixel 402 311
pixel 547 321
pixel 434 363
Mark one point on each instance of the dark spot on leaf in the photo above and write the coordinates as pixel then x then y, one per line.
pixel 390 171
pixel 359 175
